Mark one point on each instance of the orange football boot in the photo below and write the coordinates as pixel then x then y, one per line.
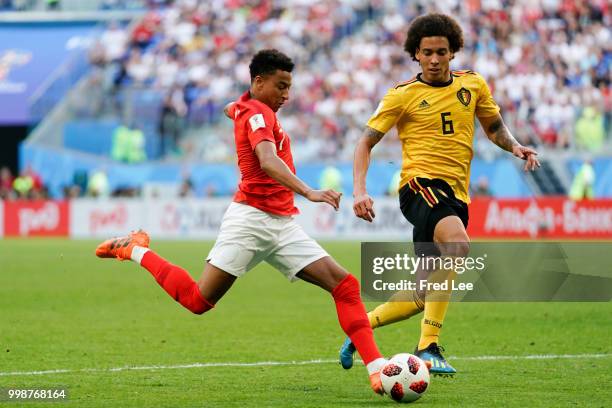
pixel 121 247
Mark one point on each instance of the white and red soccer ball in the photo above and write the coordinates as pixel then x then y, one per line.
pixel 405 377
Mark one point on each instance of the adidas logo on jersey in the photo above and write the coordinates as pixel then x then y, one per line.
pixel 423 104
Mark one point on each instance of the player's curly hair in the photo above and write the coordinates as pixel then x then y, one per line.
pixel 267 61
pixel 433 25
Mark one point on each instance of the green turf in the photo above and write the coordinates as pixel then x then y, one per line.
pixel 61 308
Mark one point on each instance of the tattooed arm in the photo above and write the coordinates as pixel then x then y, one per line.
pixel 363 203
pixel 497 132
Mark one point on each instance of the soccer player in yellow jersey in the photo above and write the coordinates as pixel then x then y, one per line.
pixel 434 115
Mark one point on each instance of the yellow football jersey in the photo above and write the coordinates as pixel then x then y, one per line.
pixel 435 125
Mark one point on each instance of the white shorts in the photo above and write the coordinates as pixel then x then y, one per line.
pixel 249 236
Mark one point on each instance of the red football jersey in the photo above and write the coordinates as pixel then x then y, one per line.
pixel 254 122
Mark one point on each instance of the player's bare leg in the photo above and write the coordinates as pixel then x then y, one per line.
pixel 452 241
pixel 344 288
pixel 325 273
pixel 214 283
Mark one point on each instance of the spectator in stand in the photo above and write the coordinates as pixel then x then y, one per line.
pixel 139 68
pixel 590 132
pixel 6 184
pixel 72 192
pixel 171 120
pixel 186 188
pixel 53 5
pixel 29 186
pixel 98 185
pixel 128 144
pixel 331 179
pixel 136 152
pixel 583 183
pixel 36 178
pixel 114 40
pixel 145 30
pixel 120 144
pixel 482 187
pixel 23 185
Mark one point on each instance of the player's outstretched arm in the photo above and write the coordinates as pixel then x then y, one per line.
pixel 274 167
pixel 498 133
pixel 363 205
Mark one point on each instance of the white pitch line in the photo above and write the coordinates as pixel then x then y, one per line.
pixel 282 363
pixel 167 367
pixel 530 357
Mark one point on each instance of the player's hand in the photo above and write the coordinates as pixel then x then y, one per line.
pixel 363 206
pixel 330 197
pixel 527 154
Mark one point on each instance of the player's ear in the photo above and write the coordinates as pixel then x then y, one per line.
pixel 258 82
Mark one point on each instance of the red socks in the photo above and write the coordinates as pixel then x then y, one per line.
pixel 176 282
pixel 353 318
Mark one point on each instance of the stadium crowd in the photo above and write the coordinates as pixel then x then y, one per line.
pixel 58 5
pixel 547 62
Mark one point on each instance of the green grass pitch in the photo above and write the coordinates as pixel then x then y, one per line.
pixel 63 309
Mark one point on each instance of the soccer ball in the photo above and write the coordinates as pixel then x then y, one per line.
pixel 405 377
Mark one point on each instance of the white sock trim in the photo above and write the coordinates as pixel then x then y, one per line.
pixel 376 365
pixel 137 253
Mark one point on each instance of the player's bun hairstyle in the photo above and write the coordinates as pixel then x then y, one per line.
pixel 433 25
pixel 265 62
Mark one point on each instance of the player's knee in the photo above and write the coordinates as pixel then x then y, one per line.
pixel 462 248
pixel 197 303
pixel 199 310
pixel 347 289
pixel 329 274
pixel 457 248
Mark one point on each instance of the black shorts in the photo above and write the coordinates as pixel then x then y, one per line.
pixel 424 202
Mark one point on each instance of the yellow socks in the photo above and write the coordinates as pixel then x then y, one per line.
pixel 432 323
pixel 401 306
pixel 436 305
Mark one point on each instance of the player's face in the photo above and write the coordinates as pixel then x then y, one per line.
pixel 273 89
pixel 434 55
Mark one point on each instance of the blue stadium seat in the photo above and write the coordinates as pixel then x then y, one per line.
pixel 90 136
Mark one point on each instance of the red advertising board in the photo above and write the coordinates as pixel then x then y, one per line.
pixel 36 218
pixel 554 218
pixel 538 218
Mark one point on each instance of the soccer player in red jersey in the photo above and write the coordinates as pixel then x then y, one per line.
pixel 258 225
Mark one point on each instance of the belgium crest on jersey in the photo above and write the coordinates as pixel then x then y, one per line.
pixel 464 96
